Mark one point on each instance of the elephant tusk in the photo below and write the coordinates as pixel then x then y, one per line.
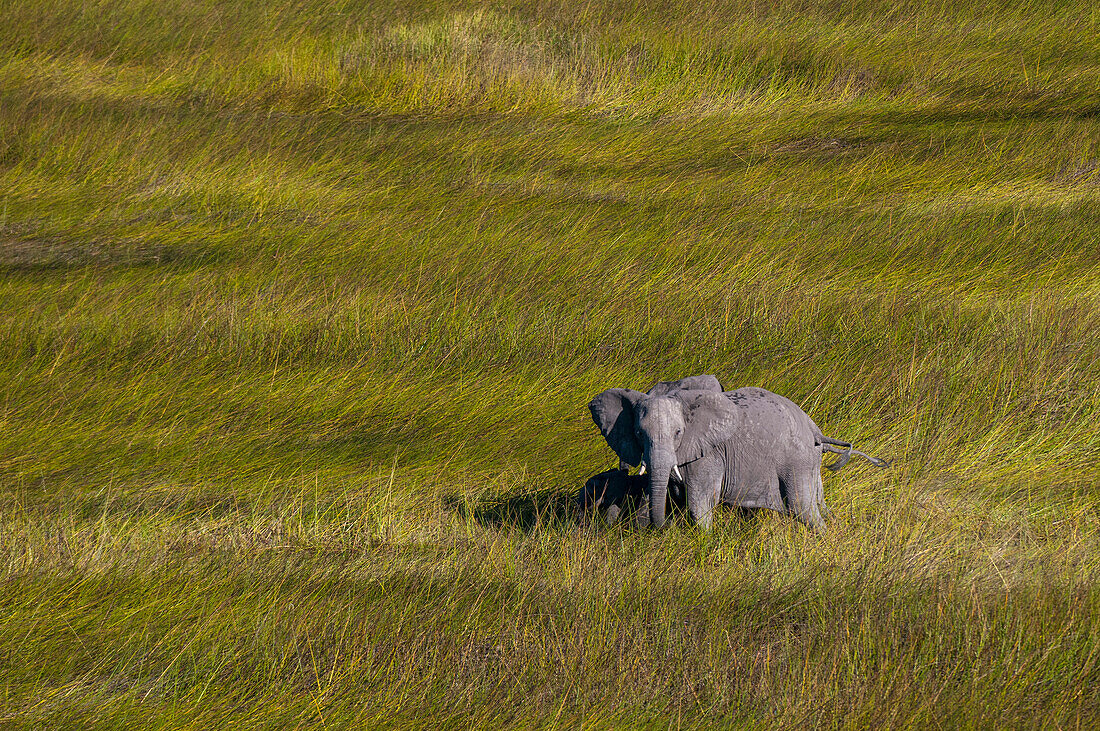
pixel 641 470
pixel 676 471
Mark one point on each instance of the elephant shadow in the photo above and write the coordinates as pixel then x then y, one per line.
pixel 529 511
pixel 524 511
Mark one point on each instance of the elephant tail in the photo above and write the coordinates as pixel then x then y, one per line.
pixel 845 450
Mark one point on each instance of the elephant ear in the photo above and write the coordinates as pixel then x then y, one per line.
pixel 690 383
pixel 709 419
pixel 613 412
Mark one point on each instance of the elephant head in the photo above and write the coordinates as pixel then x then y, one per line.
pixel 661 432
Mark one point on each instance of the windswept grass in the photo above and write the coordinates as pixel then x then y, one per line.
pixel 301 305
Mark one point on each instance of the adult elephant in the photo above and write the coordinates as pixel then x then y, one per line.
pixel 748 447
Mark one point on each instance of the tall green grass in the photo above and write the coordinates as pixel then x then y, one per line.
pixel 301 305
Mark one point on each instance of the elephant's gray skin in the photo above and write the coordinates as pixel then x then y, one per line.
pixel 749 447
pixel 689 383
pixel 612 493
pixel 669 388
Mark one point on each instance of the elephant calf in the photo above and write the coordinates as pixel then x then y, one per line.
pixel 613 491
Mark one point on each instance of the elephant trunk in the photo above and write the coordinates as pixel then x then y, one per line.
pixel 659 465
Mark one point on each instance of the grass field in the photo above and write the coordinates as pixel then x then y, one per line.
pixel 301 304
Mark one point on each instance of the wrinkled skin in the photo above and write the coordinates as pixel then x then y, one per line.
pixel 749 448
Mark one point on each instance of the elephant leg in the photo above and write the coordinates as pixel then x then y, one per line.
pixel 819 490
pixel 804 498
pixel 612 515
pixel 703 489
pixel 641 515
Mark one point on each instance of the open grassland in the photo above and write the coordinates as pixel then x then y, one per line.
pixel 301 305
